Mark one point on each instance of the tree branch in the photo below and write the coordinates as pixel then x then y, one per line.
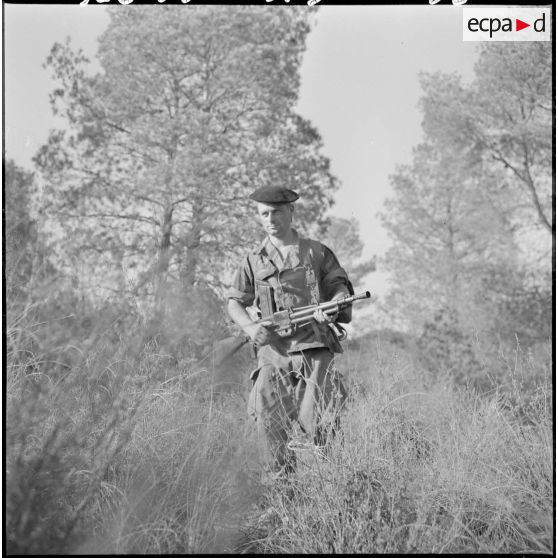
pixel 527 180
pixel 139 218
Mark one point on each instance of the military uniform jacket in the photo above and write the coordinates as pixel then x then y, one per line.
pixel 308 274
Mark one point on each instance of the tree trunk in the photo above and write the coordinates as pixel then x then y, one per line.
pixel 163 256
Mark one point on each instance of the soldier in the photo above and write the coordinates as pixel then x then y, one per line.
pixel 295 385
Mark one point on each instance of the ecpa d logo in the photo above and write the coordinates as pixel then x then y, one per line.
pixel 506 24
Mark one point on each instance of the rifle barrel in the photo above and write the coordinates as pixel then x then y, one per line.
pixel 306 317
pixel 307 311
pixel 347 300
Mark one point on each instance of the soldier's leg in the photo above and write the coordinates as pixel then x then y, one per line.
pixel 272 406
pixel 320 395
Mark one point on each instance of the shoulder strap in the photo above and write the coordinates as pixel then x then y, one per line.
pixel 312 257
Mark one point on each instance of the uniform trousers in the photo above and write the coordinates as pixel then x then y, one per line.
pixel 301 388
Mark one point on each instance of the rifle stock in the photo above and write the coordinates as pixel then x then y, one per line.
pixel 225 348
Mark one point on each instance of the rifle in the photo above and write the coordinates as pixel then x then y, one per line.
pixel 282 323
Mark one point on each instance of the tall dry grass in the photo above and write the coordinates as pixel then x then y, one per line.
pixel 113 446
pixel 423 469
pixel 117 448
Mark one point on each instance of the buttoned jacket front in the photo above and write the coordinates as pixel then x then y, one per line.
pixel 309 273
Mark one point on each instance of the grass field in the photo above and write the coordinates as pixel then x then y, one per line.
pixel 111 449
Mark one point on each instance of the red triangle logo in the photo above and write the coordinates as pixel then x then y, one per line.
pixel 519 25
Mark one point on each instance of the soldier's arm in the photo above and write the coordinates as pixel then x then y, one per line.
pixel 258 333
pixel 241 295
pixel 336 283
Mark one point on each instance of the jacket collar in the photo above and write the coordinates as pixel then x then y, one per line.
pixel 268 250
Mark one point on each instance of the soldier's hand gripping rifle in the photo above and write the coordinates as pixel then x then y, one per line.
pixel 283 322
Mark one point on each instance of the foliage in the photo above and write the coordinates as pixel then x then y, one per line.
pixel 131 451
pixel 343 238
pixel 506 117
pixel 418 469
pixel 442 234
pixel 91 445
pixel 470 215
pixel 191 111
pixel 187 322
pixel 522 305
pixel 21 242
pixel 444 349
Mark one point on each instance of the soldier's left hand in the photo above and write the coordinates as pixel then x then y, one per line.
pixel 322 318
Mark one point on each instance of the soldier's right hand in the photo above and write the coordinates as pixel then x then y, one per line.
pixel 260 335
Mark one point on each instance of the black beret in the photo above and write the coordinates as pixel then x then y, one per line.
pixel 274 194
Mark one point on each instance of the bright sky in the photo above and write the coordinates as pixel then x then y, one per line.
pixel 359 88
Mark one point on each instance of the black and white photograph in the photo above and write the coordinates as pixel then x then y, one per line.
pixel 278 278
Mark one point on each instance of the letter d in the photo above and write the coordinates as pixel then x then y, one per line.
pixel 540 20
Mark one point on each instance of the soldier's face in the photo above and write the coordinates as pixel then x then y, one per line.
pixel 276 218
